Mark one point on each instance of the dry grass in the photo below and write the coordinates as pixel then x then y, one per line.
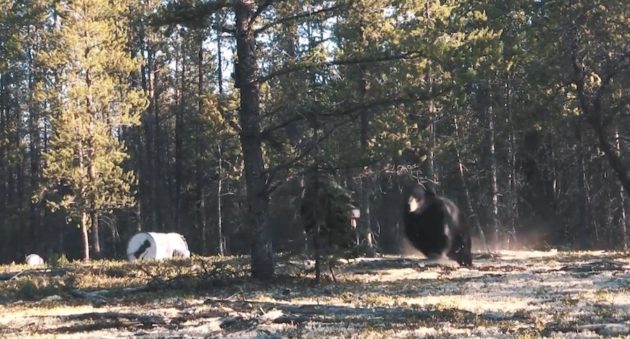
pixel 511 295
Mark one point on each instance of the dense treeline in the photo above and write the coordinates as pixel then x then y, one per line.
pixel 205 118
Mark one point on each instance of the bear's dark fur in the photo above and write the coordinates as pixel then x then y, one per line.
pixel 436 227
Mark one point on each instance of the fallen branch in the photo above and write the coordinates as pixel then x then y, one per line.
pixel 93 297
pixel 17 275
pixel 100 297
pixel 144 319
pixel 107 320
pixel 606 329
pixel 32 272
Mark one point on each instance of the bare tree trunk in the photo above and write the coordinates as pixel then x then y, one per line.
pixel 153 145
pixel 363 91
pixel 220 236
pixel 179 144
pixel 365 227
pixel 138 216
pixel 35 150
pixel 494 187
pixel 201 181
pixel 219 55
pixel 96 238
pixel 462 175
pixel 84 233
pixel 318 216
pixel 220 210
pixel 624 220
pixel 93 214
pixel 366 224
pixel 262 262
pixel 429 171
pixel 202 220
pixel 622 200
pixel 4 185
pixel 608 221
pixel 512 198
pixel 430 162
pixel 587 218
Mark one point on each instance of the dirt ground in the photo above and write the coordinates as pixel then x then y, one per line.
pixel 507 295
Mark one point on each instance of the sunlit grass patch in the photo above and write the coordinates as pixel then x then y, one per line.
pixel 192 274
pixel 31 288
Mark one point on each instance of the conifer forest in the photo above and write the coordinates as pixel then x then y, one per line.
pixel 209 118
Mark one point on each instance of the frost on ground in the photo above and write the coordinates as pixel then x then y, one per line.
pixel 511 294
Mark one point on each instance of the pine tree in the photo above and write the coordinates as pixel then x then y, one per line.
pixel 84 162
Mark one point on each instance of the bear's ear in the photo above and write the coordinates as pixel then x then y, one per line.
pixel 429 187
pixel 419 191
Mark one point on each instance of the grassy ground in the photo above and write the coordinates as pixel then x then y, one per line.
pixel 511 294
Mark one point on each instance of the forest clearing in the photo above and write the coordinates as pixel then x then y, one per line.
pixel 523 294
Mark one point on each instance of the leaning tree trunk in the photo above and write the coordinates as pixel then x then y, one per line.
pixel 262 264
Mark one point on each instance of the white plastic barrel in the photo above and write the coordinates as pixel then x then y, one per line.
pixel 156 246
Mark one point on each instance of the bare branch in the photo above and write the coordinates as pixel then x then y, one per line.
pixel 183 12
pixel 304 153
pixel 339 62
pixel 261 8
pixel 350 108
pixel 300 16
pixel 345 112
pixel 224 28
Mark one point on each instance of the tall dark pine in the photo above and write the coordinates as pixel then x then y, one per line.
pixel 248 83
pixel 249 115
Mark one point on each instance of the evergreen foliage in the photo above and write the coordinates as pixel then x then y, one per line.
pixel 83 164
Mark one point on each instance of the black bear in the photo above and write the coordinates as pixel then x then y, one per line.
pixel 436 227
